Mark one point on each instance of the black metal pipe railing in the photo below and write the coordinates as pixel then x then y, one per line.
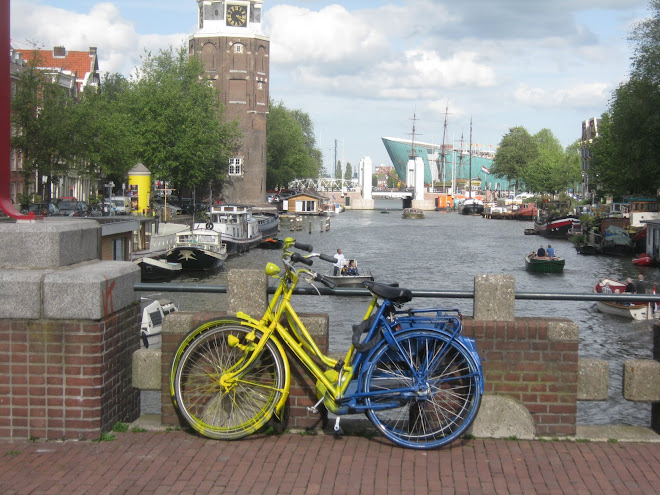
pixel 439 294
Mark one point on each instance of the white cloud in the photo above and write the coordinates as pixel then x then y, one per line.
pixel 579 96
pixel 119 45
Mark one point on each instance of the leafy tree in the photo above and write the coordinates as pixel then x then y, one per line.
pixel 179 120
pixel 646 38
pixel 291 152
pixel 348 175
pixel 42 114
pixel 517 151
pixel 542 175
pixel 625 158
pixel 106 140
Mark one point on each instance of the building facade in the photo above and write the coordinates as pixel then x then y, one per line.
pixel 589 133
pixel 235 52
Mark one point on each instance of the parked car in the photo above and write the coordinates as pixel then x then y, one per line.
pixel 273 198
pixel 122 205
pixel 73 208
pixel 192 208
pixel 45 209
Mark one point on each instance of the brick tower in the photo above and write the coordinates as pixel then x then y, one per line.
pixel 235 53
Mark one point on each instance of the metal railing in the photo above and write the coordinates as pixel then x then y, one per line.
pixel 439 294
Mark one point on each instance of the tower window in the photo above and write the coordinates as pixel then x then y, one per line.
pixel 238 48
pixel 236 166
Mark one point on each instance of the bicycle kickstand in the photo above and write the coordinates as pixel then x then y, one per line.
pixel 338 431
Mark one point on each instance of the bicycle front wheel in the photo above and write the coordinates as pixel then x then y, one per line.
pixel 234 409
pixel 425 391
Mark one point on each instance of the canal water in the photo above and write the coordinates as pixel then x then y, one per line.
pixel 444 251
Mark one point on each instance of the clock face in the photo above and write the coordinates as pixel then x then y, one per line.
pixel 237 15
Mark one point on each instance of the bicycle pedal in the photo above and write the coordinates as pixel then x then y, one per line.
pixel 338 431
pixel 312 410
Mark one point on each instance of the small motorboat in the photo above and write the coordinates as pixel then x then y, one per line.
pixel 544 264
pixel 271 243
pixel 633 310
pixel 643 259
pixel 151 327
pixel 412 213
pixel 349 275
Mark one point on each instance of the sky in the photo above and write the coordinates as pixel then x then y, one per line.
pixel 368 69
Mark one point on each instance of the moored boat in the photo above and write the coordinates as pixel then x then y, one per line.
pixel 633 310
pixel 643 259
pixel 556 227
pixel 198 249
pixel 471 206
pixel 236 225
pixel 544 264
pixel 412 213
pixel 152 269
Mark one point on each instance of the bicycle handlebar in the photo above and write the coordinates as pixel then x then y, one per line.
pixel 297 258
pixel 329 259
pixel 324 280
pixel 303 247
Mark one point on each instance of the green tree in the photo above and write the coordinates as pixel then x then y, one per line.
pixel 106 140
pixel 517 151
pixel 43 116
pixel 625 158
pixel 348 175
pixel 291 152
pixel 179 120
pixel 646 38
pixel 542 175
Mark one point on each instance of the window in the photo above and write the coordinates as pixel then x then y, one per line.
pixel 236 166
pixel 118 249
pixel 238 48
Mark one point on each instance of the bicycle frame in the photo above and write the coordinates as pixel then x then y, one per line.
pixel 333 376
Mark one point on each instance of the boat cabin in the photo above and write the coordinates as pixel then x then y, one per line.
pixel 305 204
pixel 653 239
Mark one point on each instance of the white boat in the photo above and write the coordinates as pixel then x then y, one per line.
pixel 237 226
pixel 157 268
pixel 412 213
pixel 471 206
pixel 633 310
pixel 331 209
pixel 151 328
pixel 198 249
pixel 349 275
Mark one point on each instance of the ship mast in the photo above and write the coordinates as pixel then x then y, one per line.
pixel 470 176
pixel 441 173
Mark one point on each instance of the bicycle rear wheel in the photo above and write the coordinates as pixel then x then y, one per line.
pixel 231 410
pixel 431 389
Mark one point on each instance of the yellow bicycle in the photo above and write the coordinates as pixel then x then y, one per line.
pixel 413 374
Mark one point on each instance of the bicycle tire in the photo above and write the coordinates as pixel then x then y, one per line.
pixel 221 412
pixel 446 391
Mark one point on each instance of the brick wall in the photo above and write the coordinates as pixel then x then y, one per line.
pixel 67 379
pixel 522 360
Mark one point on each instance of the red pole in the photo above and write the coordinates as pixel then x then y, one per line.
pixel 5 123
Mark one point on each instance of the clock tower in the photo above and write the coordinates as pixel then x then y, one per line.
pixel 235 53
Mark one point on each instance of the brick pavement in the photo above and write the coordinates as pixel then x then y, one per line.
pixel 178 462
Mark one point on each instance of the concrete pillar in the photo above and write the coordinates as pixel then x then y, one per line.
pixel 72 318
pixel 494 297
pixel 366 172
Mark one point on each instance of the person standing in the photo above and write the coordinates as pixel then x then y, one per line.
pixel 340 262
pixel 640 285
